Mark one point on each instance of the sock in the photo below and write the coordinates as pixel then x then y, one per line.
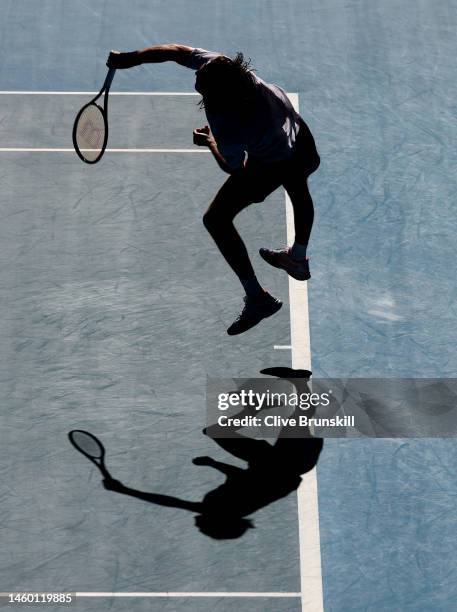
pixel 252 287
pixel 298 251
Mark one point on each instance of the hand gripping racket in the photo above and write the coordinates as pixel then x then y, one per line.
pixel 90 130
pixel 90 447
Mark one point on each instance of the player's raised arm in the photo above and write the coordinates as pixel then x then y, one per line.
pixel 150 55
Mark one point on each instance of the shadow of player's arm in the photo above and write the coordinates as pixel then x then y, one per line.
pixel 153 498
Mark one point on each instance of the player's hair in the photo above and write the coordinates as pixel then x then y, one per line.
pixel 228 73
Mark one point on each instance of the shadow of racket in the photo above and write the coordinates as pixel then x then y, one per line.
pixel 91 447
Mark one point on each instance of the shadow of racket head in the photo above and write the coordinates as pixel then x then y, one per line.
pixel 91 447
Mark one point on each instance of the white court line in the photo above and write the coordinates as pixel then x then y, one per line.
pixel 282 347
pixel 190 594
pixel 93 93
pixel 308 511
pixel 57 150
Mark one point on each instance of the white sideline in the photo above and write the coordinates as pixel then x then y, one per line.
pixel 308 511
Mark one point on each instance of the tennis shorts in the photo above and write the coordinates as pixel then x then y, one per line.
pixel 258 180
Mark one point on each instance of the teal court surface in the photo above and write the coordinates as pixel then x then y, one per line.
pixel 114 304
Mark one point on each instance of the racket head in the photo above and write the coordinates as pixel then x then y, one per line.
pixel 90 133
pixel 88 445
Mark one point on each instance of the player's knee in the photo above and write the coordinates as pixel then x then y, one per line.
pixel 209 220
pixel 213 220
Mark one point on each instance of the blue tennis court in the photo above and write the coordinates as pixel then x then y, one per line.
pixel 115 303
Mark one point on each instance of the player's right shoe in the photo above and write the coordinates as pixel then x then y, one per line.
pixel 281 258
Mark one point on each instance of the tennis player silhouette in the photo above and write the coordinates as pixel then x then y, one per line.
pixel 273 471
pixel 257 137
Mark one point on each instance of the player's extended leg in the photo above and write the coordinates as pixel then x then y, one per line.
pixel 218 220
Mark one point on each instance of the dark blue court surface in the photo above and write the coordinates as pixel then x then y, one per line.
pixel 115 303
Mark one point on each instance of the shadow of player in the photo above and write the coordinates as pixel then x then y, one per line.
pixel 273 471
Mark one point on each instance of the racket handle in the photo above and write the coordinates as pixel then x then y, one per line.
pixel 109 79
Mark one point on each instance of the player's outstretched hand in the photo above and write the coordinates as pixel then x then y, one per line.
pixel 119 60
pixel 202 136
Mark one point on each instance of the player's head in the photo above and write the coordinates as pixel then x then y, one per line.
pixel 225 84
pixel 223 527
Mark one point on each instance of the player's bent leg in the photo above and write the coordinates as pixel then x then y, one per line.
pixel 293 259
pixel 218 220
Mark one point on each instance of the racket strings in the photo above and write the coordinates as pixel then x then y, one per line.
pixel 90 132
pixel 87 444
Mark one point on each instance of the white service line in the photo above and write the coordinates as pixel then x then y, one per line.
pixel 308 511
pixel 93 93
pixel 57 150
pixel 191 594
pixel 282 347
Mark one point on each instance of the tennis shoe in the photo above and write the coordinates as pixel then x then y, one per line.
pixel 281 258
pixel 255 309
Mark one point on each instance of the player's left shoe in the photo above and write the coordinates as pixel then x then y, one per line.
pixel 255 309
pixel 281 258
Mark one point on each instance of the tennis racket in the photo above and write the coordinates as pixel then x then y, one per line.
pixel 90 447
pixel 90 130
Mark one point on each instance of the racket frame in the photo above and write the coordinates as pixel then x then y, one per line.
pixel 104 111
